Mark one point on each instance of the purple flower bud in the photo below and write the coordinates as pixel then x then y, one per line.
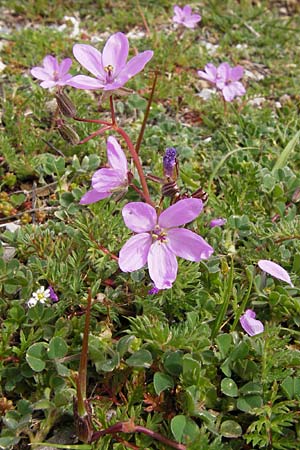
pixel 169 161
pixel 153 291
pixel 217 222
pixel 250 324
pixel 53 295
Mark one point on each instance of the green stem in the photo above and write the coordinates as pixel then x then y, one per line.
pixel 242 307
pixel 224 306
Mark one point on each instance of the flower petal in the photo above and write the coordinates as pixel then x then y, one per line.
pixel 187 10
pixel 133 255
pixel 250 324
pixel 232 90
pixel 91 59
pixel 181 213
pixel 51 64
pixel 217 222
pixel 115 155
pixel 93 196
pixel 188 245
pixel 162 265
pixel 115 52
pixel 64 67
pixel 275 270
pixel 223 75
pixel 134 66
pixel 48 84
pixel 85 82
pixel 236 73
pixel 106 180
pixel 139 216
pixel 210 73
pixel 40 73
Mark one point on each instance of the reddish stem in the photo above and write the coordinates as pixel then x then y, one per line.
pixel 101 122
pixel 129 427
pixel 112 110
pixel 96 133
pixel 136 162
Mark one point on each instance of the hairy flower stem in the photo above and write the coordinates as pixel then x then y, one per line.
pixel 141 135
pixel 96 133
pixel 137 163
pixel 82 372
pixel 129 427
pixel 101 122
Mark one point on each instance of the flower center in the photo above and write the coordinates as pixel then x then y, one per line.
pixel 41 296
pixel 159 235
pixel 109 70
pixel 55 75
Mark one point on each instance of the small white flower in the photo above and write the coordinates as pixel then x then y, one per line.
pixel 41 295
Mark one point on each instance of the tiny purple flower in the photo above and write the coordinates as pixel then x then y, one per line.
pixel 250 324
pixel 225 78
pixel 169 161
pixel 275 270
pixel 217 222
pixel 52 73
pixel 106 181
pixel 53 295
pixel 184 16
pixel 109 67
pixel 160 240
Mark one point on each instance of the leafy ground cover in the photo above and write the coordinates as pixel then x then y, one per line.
pixel 177 363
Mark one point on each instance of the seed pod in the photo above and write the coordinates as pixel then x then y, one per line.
pixel 65 104
pixel 170 189
pixel 68 134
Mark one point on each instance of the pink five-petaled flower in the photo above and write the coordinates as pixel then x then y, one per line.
pixel 159 240
pixel 225 78
pixel 250 324
pixel 275 270
pixel 110 67
pixel 106 181
pixel 185 17
pixel 52 73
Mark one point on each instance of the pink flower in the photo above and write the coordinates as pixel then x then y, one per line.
pixel 275 270
pixel 185 17
pixel 225 78
pixel 110 67
pixel 106 181
pixel 217 222
pixel 250 324
pixel 159 240
pixel 52 73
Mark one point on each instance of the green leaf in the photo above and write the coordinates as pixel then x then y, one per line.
pixel 184 429
pixel 229 387
pixel 249 402
pixel 57 348
pixel 251 388
pixel 123 345
pixel 284 156
pixel 162 382
pixel 173 363
pixel 67 447
pixel 36 355
pixel 291 386
pixel 231 429
pixel 224 342
pixel 141 358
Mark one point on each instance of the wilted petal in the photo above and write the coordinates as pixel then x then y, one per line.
pixel 236 73
pixel 250 324
pixel 134 66
pixel 91 59
pixel 85 82
pixel 162 265
pixel 115 155
pixel 133 255
pixel 188 245
pixel 139 216
pixel 115 52
pixel 93 196
pixel 181 213
pixel 275 270
pixel 64 67
pixel 105 180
